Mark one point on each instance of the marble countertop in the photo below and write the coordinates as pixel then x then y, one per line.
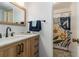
pixel 16 38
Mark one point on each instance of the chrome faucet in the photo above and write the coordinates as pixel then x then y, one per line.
pixel 8 28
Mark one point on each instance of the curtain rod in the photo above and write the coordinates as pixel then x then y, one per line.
pixel 40 20
pixel 63 12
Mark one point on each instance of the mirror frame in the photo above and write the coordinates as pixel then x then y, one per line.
pixel 24 9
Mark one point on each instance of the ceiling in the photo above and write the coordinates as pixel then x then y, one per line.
pixel 6 6
pixel 60 5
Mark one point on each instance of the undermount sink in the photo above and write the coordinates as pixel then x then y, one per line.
pixel 20 35
pixel 16 37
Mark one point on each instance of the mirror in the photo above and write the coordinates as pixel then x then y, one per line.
pixel 11 13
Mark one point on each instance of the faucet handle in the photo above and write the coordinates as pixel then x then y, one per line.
pixel 12 34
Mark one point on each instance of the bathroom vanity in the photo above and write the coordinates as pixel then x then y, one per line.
pixel 20 46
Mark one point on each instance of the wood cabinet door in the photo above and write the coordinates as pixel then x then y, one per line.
pixel 20 49
pixel 11 51
pixel 30 47
pixel 27 48
pixel 8 51
pixel 16 49
pixel 34 45
pixel 2 53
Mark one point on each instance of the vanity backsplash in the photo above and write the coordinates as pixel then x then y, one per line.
pixel 16 29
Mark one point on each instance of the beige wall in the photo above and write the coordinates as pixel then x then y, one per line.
pixel 73 46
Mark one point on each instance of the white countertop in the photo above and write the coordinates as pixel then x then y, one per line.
pixel 16 38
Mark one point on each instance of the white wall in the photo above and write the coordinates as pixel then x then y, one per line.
pixel 43 11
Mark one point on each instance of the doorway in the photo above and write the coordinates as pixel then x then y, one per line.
pixel 62 29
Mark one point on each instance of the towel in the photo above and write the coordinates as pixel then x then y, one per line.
pixel 36 28
pixel 34 23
